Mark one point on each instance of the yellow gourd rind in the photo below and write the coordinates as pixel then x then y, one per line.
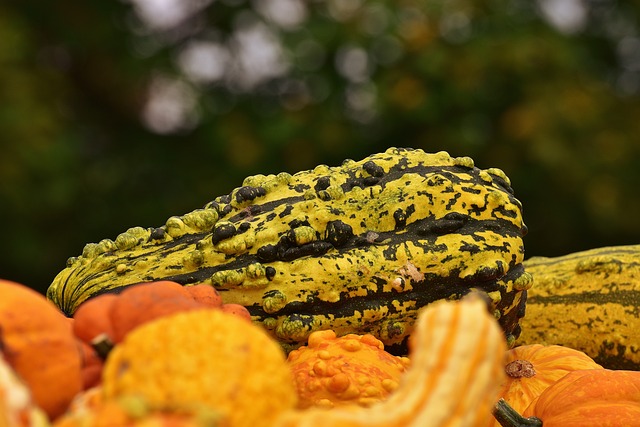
pixel 588 300
pixel 357 248
pixel 456 369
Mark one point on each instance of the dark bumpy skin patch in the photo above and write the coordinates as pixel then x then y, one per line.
pixel 357 248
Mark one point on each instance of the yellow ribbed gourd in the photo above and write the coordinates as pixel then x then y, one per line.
pixel 589 301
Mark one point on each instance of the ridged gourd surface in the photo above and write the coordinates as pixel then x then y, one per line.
pixel 588 300
pixel 356 248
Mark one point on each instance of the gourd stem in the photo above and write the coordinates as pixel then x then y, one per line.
pixel 509 417
pixel 102 344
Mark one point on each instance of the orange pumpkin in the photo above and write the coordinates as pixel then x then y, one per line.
pixel 205 294
pixel 587 398
pixel 530 369
pixel 351 369
pixel 92 364
pixel 141 303
pixel 106 319
pixel 38 343
pixel 92 324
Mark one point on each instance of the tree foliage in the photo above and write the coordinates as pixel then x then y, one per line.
pixel 114 115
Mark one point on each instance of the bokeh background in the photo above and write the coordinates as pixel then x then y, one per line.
pixel 115 114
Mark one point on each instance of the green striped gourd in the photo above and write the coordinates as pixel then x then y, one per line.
pixel 590 301
pixel 357 248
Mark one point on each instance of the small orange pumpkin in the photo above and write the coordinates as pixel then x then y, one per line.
pixel 141 303
pixel 530 369
pixel 92 322
pixel 205 294
pixel 106 319
pixel 38 343
pixel 586 398
pixel 92 364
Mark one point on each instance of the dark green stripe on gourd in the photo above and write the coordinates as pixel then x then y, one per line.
pixel 356 248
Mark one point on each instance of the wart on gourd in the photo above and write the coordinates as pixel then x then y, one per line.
pixel 324 249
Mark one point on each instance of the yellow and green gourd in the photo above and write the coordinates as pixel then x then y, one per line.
pixel 356 248
pixel 588 300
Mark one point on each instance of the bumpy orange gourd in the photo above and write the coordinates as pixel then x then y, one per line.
pixel 353 369
pixel 530 369
pixel 203 358
pixel 456 368
pixel 585 398
pixel 38 343
pixel 17 408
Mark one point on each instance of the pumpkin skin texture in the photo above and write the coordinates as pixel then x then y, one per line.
pixel 92 365
pixel 105 320
pixel 590 398
pixel 530 369
pixel 352 369
pixel 38 343
pixel 148 301
pixel 601 289
pixel 203 358
pixel 355 248
pixel 92 319
pixel 456 368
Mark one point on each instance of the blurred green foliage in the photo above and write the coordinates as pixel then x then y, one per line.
pixel 110 119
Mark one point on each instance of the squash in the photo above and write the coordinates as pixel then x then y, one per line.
pixel 203 359
pixel 90 409
pixel 352 369
pixel 530 369
pixel 600 288
pixel 584 398
pixel 106 319
pixel 456 368
pixel 357 248
pixel 17 407
pixel 92 365
pixel 37 342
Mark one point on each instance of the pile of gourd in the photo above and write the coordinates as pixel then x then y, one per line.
pixel 178 350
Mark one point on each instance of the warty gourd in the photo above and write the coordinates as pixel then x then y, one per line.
pixel 357 248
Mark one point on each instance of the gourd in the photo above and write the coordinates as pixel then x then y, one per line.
pixel 90 409
pixel 106 319
pixel 203 359
pixel 17 407
pixel 530 369
pixel 92 364
pixel 333 371
pixel 584 398
pixel 456 368
pixel 588 301
pixel 37 342
pixel 357 248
